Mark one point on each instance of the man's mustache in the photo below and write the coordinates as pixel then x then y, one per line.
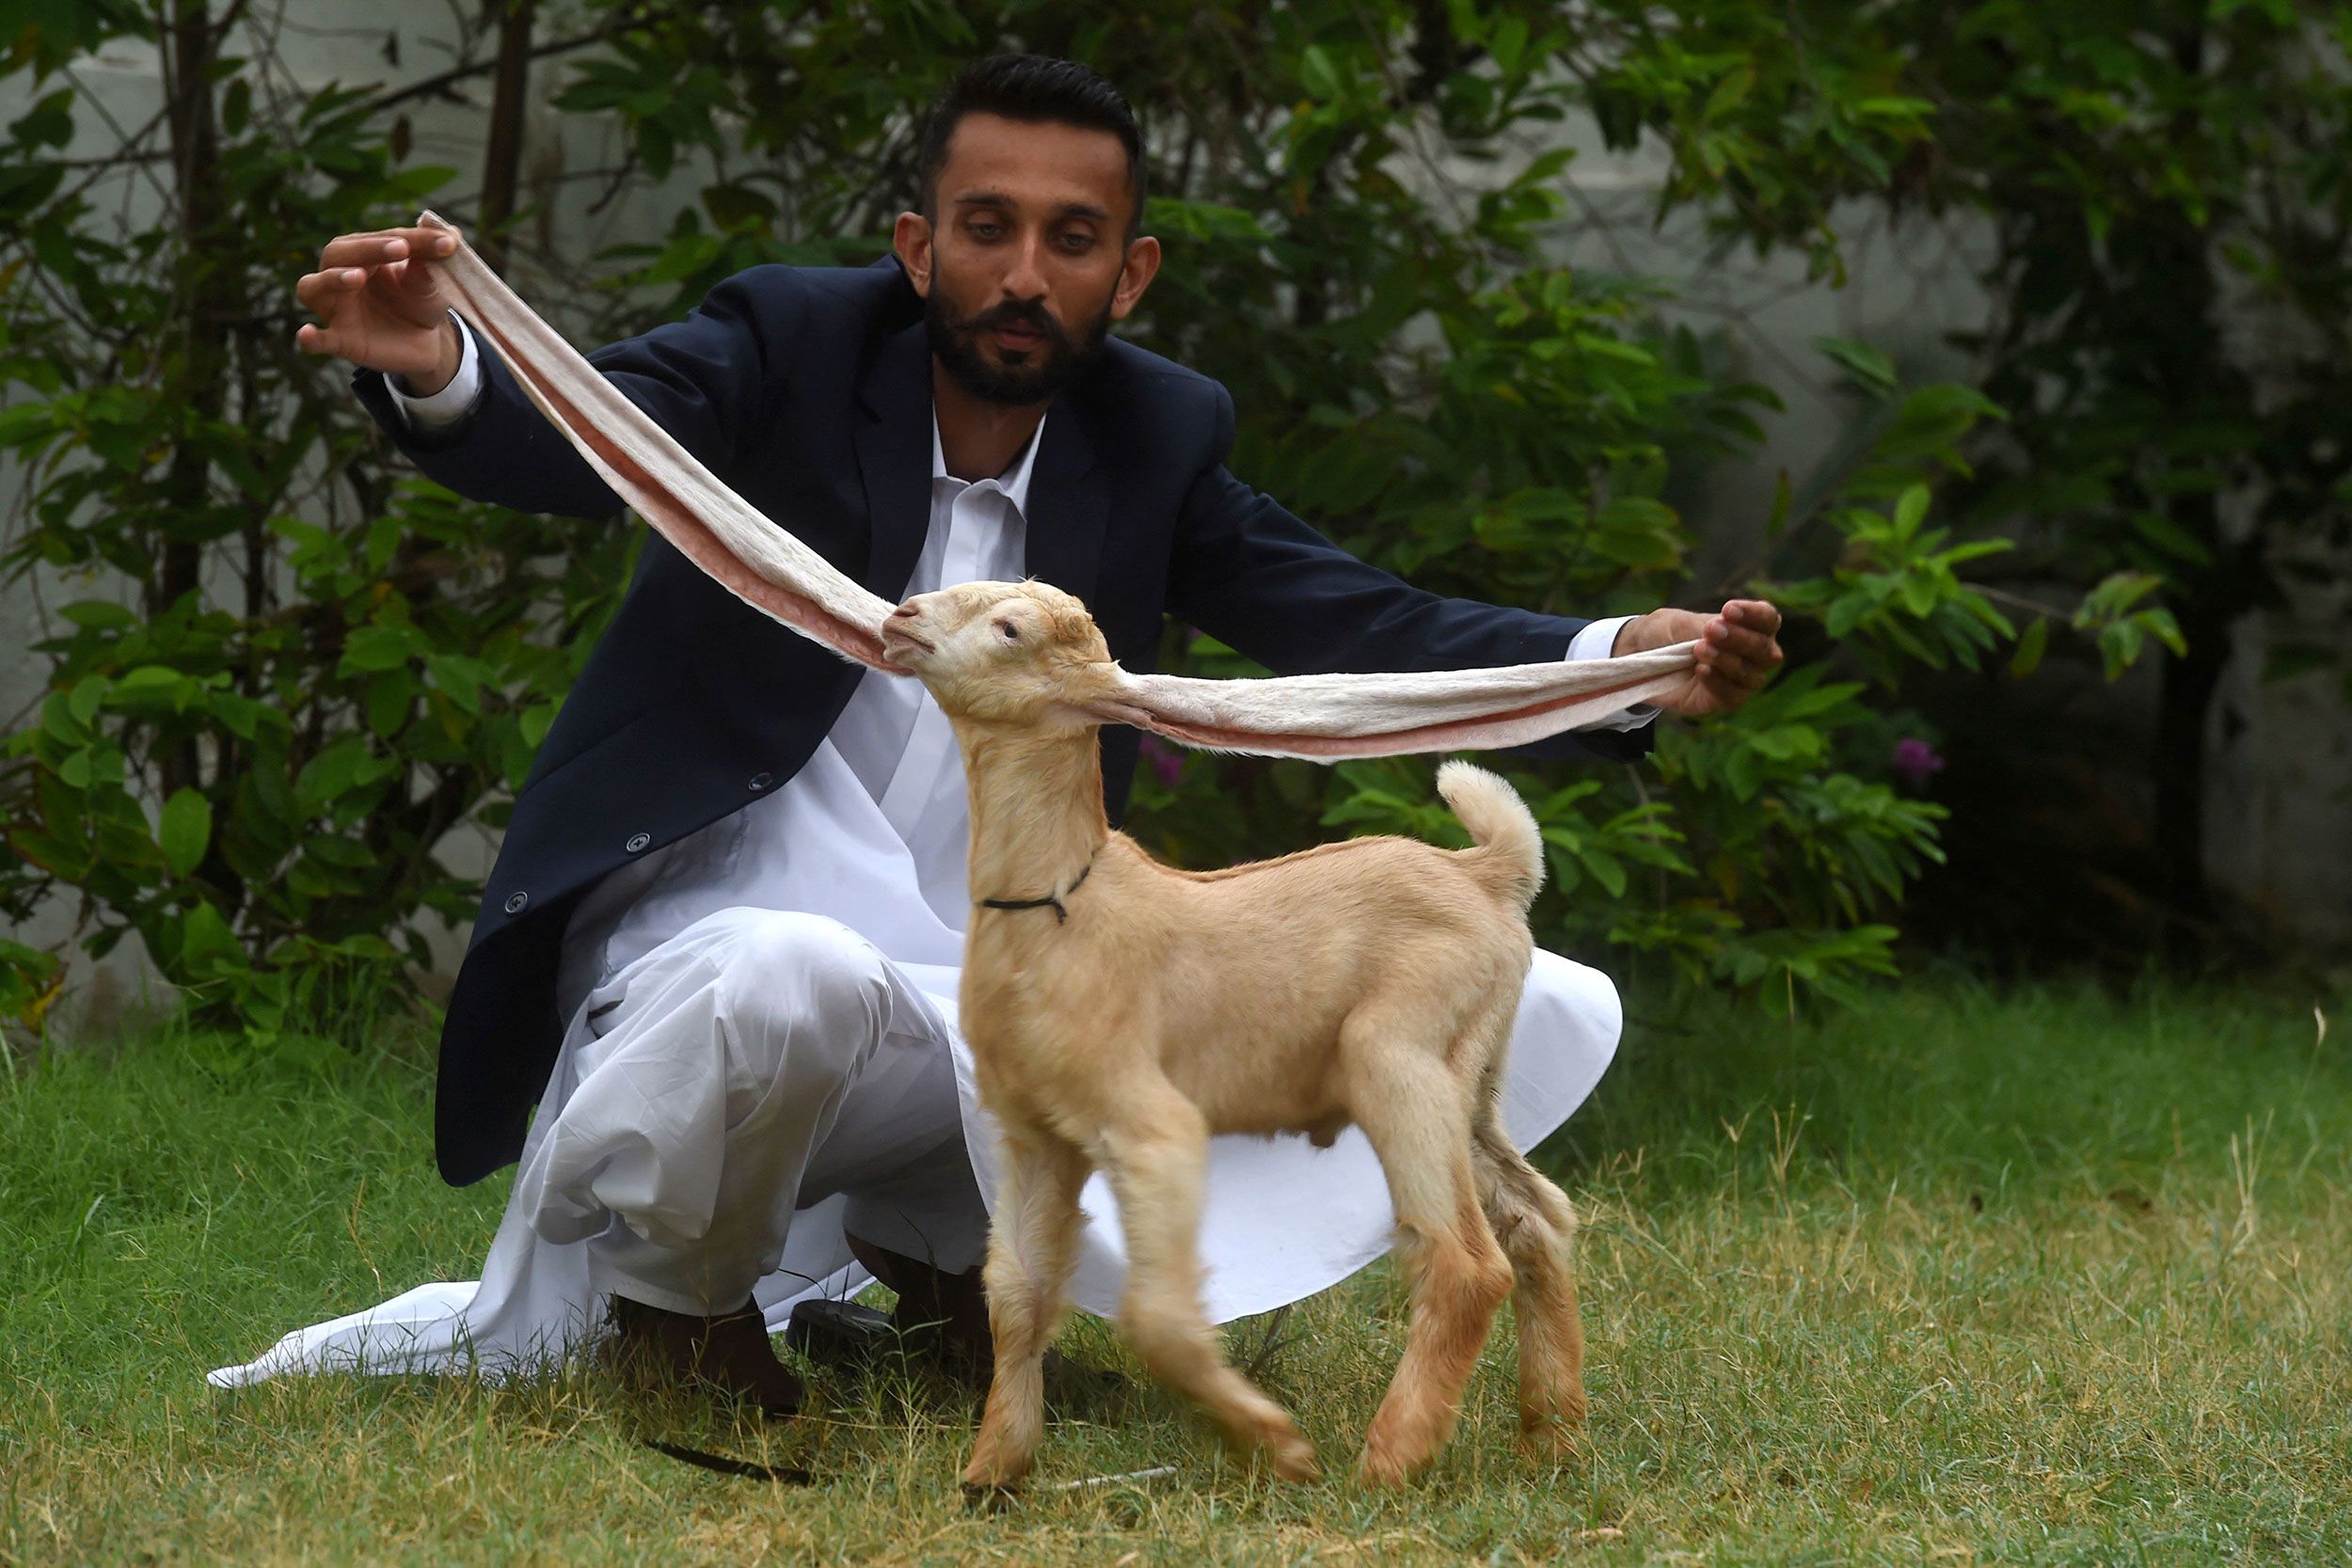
pixel 1018 312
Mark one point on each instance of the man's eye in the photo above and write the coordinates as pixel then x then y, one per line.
pixel 1077 244
pixel 984 231
pixel 1013 633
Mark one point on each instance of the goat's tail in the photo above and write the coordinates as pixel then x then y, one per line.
pixel 1510 845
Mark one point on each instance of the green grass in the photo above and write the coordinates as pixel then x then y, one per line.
pixel 1959 1278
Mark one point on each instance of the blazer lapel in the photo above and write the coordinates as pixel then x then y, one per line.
pixel 894 454
pixel 1067 505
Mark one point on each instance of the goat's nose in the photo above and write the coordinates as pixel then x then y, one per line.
pixel 905 613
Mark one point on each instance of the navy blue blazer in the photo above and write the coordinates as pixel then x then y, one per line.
pixel 808 390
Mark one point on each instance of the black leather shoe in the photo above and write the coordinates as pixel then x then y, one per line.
pixel 729 1353
pixel 942 1317
pixel 841 1332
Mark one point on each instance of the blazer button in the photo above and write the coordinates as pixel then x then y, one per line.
pixel 514 902
pixel 638 841
pixel 761 781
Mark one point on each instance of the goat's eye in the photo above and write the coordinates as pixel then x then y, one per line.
pixel 1013 633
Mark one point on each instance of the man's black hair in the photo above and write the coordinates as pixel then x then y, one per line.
pixel 1036 89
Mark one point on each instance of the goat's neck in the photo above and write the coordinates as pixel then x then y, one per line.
pixel 1037 808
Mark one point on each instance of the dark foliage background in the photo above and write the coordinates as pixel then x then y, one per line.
pixel 323 665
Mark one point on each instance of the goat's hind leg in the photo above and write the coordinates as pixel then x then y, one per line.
pixel 1415 1112
pixel 1536 1225
pixel 1157 1161
pixel 1032 1242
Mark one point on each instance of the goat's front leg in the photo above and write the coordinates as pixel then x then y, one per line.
pixel 1032 1243
pixel 1157 1160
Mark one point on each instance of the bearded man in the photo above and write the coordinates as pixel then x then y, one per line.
pixel 717 949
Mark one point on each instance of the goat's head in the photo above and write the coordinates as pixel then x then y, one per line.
pixel 1008 653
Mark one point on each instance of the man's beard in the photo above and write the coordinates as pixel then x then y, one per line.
pixel 1045 369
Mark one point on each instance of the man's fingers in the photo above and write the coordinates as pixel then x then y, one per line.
pixel 415 279
pixel 1720 663
pixel 318 289
pixel 323 340
pixel 1747 628
pixel 1753 646
pixel 390 277
pixel 385 245
pixel 1736 654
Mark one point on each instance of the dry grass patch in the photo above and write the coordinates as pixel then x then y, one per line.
pixel 2043 1278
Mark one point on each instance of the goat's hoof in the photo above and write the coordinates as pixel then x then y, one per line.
pixel 1293 1458
pixel 1383 1467
pixel 1551 1439
pixel 989 1498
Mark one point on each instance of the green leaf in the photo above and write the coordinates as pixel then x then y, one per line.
pixel 61 716
pixel 99 615
pixel 206 948
pixel 184 831
pixel 1734 86
pixel 369 649
pixel 390 696
pixel 1910 509
pixel 533 723
pixel 458 677
pixel 1509 42
pixel 2158 623
pixel 336 771
pixel 2030 648
pixel 1607 870
pixel 50 123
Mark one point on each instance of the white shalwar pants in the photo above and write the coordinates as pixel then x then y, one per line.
pixel 729 1103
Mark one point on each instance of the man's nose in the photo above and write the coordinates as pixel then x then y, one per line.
pixel 1026 279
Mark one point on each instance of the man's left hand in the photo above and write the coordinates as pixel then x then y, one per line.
pixel 1736 652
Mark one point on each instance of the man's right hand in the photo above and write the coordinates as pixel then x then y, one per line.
pixel 380 304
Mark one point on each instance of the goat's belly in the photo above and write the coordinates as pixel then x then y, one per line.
pixel 1240 1087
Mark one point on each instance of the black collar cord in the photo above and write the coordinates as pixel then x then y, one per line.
pixel 1053 900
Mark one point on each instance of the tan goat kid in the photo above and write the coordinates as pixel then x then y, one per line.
pixel 1120 1011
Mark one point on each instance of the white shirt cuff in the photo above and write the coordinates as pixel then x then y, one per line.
pixel 1595 642
pixel 453 402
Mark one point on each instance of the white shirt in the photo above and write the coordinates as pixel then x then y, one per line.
pixel 892 736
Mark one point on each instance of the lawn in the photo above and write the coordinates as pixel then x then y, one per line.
pixel 2046 1276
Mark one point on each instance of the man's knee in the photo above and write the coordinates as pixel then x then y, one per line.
pixel 803 980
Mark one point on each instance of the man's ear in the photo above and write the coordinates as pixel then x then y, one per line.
pixel 912 241
pixel 1142 265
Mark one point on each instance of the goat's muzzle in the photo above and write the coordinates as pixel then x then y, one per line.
pixel 897 633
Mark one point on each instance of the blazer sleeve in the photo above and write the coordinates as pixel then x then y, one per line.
pixel 706 380
pixel 1261 580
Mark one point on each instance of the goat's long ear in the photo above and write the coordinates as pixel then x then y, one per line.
pixel 1327 718
pixel 750 557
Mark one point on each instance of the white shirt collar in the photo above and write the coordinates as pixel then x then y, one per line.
pixel 1013 481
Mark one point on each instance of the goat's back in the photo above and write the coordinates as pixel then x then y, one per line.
pixel 1238 985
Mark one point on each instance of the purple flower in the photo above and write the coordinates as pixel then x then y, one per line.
pixel 1913 759
pixel 1168 763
